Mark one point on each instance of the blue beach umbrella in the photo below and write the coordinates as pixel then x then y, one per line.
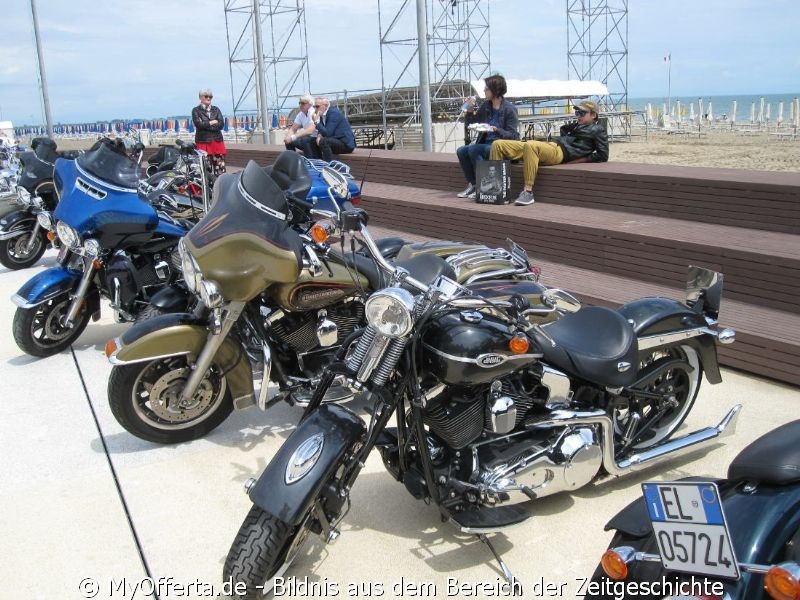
pixel 190 128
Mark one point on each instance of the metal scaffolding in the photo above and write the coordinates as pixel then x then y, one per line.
pixel 458 40
pixel 597 47
pixel 283 49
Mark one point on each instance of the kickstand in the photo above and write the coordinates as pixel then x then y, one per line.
pixel 506 572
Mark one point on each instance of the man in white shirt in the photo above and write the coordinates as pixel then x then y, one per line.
pixel 302 131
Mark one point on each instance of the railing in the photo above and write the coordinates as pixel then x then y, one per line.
pixel 374 137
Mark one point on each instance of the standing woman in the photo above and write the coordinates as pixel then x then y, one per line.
pixel 208 123
pixel 501 117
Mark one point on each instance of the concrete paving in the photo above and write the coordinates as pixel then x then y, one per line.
pixel 84 503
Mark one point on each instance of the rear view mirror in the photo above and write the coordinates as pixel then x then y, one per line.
pixel 704 291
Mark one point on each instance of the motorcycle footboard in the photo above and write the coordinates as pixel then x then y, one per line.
pixel 308 459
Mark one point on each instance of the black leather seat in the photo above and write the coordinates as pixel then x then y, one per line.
pixel 774 458
pixel 290 173
pixel 592 343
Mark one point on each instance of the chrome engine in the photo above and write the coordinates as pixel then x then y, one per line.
pixel 527 468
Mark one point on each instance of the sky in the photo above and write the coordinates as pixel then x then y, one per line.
pixel 109 59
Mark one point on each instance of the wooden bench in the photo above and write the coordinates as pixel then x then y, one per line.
pixel 615 231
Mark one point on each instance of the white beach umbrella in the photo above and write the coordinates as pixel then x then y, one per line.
pixel 664 115
pixel 700 112
pixel 649 112
pixel 733 112
pixel 691 112
pixel 710 112
pixel 761 110
pixel 780 112
pixel 797 112
pixel 678 111
pixel 769 111
pixel 791 112
pixel 752 112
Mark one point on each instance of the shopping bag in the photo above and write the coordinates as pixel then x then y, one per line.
pixel 493 181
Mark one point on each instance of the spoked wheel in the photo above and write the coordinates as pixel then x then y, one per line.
pixel 263 549
pixel 145 399
pixel 676 389
pixel 14 253
pixel 40 330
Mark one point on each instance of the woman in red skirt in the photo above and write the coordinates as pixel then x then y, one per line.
pixel 208 123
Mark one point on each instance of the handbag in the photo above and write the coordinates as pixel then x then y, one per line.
pixel 493 181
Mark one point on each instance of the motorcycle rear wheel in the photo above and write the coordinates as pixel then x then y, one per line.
pixel 14 254
pixel 682 381
pixel 38 330
pixel 263 549
pixel 142 395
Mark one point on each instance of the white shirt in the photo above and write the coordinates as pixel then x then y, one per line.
pixel 303 120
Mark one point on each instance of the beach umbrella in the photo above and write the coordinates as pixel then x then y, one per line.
pixel 780 112
pixel 177 126
pixel 649 112
pixel 710 112
pixel 733 112
pixel 791 112
pixel 752 112
pixel 691 112
pixel 226 125
pixel 664 115
pixel 274 120
pixel 769 111
pixel 190 127
pixel 761 110
pixel 797 112
pixel 678 114
pixel 700 113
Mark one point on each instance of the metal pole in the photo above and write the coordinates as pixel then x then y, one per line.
pixel 45 98
pixel 262 87
pixel 424 82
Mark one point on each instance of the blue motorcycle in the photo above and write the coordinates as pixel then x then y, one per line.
pixel 114 244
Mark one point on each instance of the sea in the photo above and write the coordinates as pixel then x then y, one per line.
pixel 721 104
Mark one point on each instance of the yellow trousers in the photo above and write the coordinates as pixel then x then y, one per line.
pixel 532 153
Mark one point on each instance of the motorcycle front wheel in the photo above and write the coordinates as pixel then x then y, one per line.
pixel 263 549
pixel 678 387
pixel 144 399
pixel 14 253
pixel 39 331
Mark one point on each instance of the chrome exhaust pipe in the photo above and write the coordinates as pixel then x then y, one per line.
pixel 667 450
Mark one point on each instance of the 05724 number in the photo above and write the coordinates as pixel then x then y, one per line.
pixel 693 548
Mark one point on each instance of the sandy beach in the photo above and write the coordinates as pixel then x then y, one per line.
pixel 760 151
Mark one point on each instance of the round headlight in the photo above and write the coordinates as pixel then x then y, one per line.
pixel 209 293
pixel 389 311
pixel 68 235
pixel 23 196
pixel 45 219
pixel 91 248
pixel 191 272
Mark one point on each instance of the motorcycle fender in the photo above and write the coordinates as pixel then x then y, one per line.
pixel 45 286
pixel 16 223
pixel 180 334
pixel 171 297
pixel 340 429
pixel 652 316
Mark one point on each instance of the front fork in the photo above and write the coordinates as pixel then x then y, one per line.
pixel 80 295
pixel 32 239
pixel 216 336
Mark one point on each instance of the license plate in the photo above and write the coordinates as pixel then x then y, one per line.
pixel 690 528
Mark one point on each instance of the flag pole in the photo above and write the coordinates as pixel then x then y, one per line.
pixel 669 82
pixel 42 76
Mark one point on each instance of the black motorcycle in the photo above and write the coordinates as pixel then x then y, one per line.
pixel 492 409
pixel 744 543
pixel 22 239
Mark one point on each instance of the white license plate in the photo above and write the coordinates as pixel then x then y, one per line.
pixel 690 528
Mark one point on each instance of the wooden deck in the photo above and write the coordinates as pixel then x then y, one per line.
pixel 614 232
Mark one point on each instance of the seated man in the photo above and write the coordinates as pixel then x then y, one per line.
pixel 335 134
pixel 584 140
pixel 302 132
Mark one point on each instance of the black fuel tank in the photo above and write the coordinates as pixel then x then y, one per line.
pixel 467 347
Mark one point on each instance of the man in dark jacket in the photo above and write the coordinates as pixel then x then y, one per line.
pixel 335 134
pixel 584 140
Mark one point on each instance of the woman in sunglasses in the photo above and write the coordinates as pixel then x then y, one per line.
pixel 208 123
pixel 583 140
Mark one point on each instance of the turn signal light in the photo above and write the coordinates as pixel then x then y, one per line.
pixel 518 344
pixel 111 347
pixel 319 233
pixel 614 564
pixel 781 582
pixel 51 236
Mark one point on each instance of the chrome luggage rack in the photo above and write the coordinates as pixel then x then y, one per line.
pixel 318 164
pixel 491 263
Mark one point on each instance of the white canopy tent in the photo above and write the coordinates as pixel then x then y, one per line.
pixel 544 89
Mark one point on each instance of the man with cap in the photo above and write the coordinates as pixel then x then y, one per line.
pixel 583 140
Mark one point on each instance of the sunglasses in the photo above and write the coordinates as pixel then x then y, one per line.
pixel 580 113
pixel 316 106
pixel 207 96
pixel 301 103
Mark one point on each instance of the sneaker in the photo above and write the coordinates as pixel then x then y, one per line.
pixel 472 195
pixel 525 198
pixel 467 193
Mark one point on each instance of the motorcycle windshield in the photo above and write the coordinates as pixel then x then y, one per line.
pixel 245 242
pixel 110 166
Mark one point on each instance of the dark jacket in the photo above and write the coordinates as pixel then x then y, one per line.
pixel 577 140
pixel 509 121
pixel 337 126
pixel 204 131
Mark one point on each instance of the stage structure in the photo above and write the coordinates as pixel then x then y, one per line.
pixel 283 53
pixel 597 47
pixel 458 49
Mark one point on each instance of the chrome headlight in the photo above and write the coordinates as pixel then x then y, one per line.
pixel 45 219
pixel 390 311
pixel 191 272
pixel 91 248
pixel 68 235
pixel 210 294
pixel 23 196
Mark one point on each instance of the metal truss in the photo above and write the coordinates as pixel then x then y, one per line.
pixel 597 47
pixel 284 49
